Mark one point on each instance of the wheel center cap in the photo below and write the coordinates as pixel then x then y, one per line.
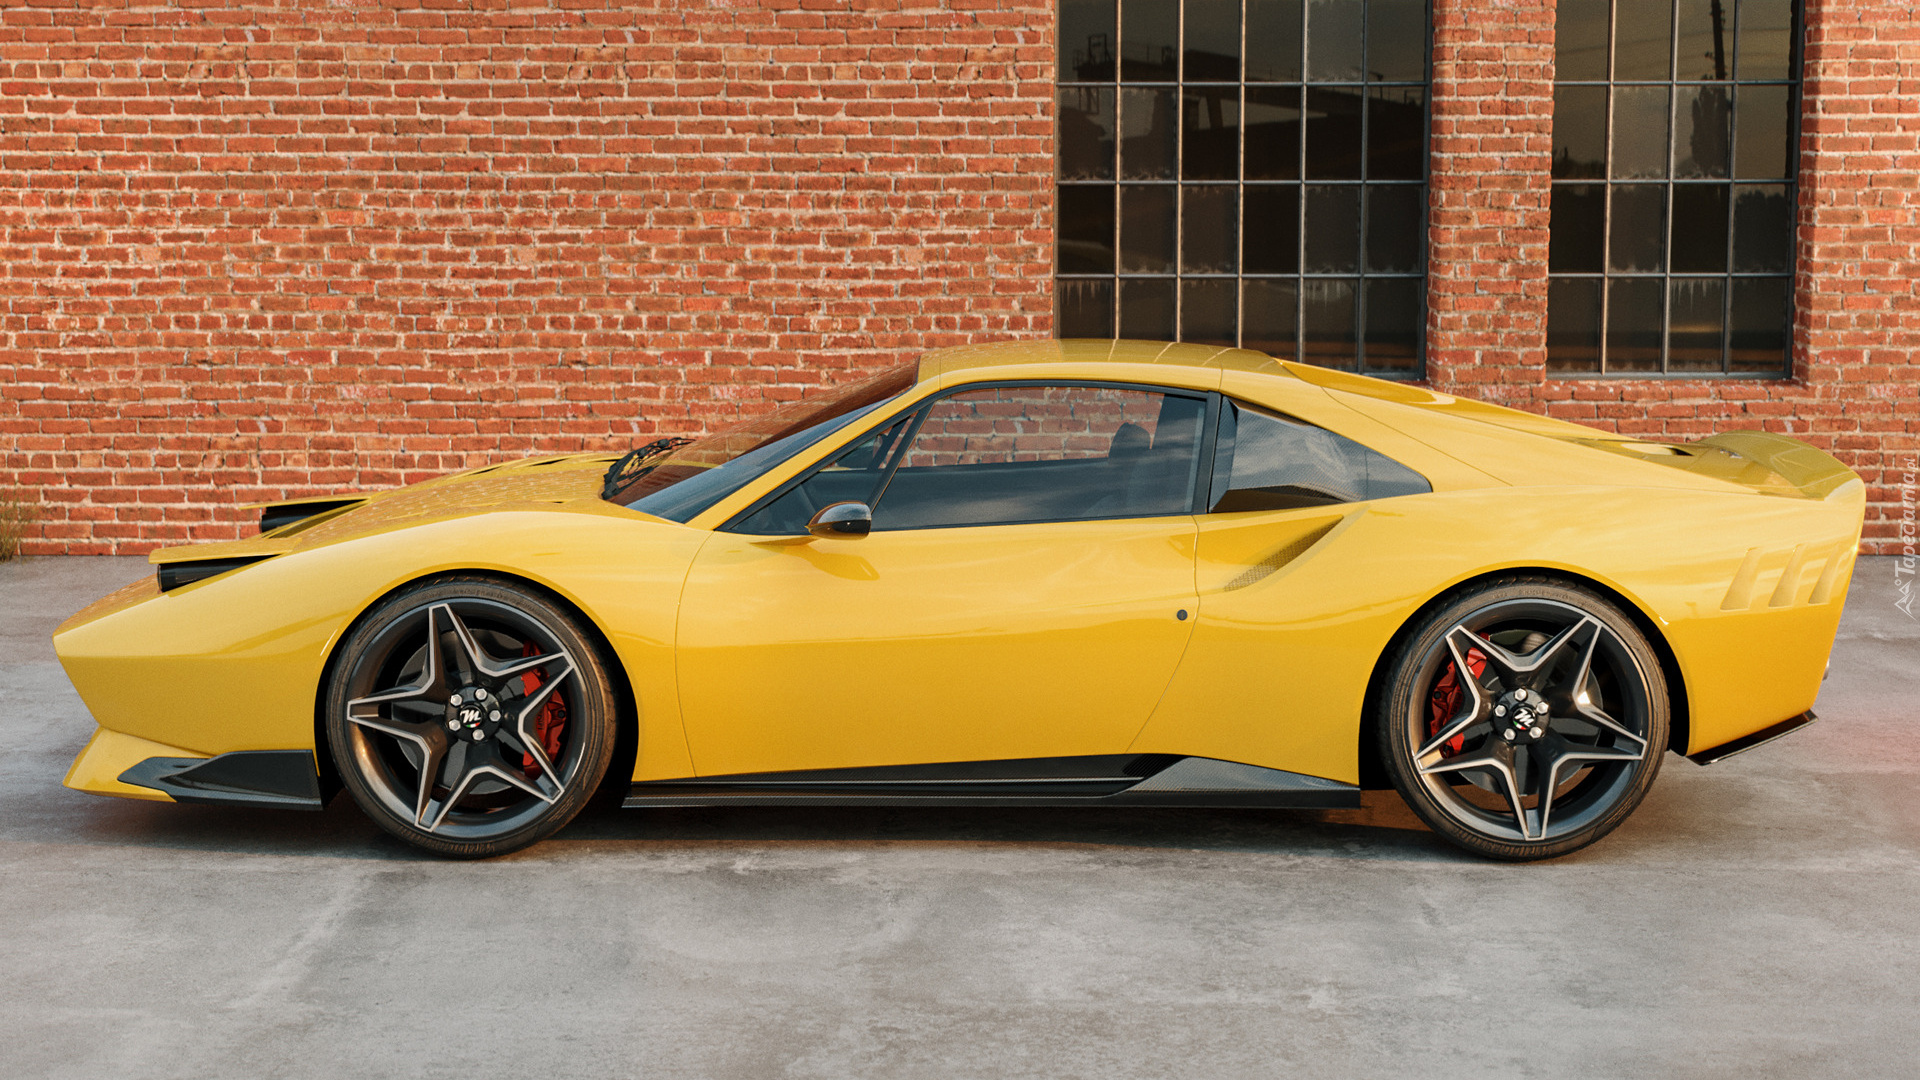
pixel 473 714
pixel 1520 716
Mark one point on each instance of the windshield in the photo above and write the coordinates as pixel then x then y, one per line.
pixel 683 482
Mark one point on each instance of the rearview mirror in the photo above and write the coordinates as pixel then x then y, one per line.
pixel 842 520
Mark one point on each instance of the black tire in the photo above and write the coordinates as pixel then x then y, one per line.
pixel 1568 699
pixel 493 686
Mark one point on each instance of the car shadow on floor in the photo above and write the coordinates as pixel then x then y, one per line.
pixel 1381 828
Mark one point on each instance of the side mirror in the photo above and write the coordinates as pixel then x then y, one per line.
pixel 842 520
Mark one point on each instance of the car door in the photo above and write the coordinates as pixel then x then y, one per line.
pixel 1026 591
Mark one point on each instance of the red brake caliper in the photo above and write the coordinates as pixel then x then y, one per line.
pixel 1445 702
pixel 553 718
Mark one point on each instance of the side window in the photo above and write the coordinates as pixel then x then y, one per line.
pixel 1007 454
pixel 853 474
pixel 1265 461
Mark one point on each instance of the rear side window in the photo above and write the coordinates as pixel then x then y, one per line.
pixel 1265 461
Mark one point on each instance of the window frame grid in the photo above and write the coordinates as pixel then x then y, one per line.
pixel 1361 274
pixel 1607 182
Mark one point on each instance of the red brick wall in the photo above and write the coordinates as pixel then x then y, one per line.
pixel 271 249
pixel 1856 384
pixel 253 250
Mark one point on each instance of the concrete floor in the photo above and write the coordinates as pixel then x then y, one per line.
pixel 1759 918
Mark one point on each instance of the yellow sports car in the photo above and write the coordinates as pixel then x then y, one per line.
pixel 1051 573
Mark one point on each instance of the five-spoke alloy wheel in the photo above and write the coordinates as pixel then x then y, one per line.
pixel 470 717
pixel 1524 719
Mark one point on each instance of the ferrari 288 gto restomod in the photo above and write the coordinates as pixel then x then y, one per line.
pixel 1082 573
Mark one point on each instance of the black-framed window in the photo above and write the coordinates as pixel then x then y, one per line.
pixel 1246 172
pixel 1675 131
pixel 1007 453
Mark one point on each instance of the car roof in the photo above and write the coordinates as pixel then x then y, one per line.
pixel 1093 351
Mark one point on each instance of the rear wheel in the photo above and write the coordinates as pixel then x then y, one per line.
pixel 1525 719
pixel 470 717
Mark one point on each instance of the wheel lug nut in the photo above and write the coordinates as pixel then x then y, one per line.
pixel 1507 734
pixel 494 716
pixel 453 725
pixel 478 735
pixel 1499 710
pixel 456 699
pixel 1535 733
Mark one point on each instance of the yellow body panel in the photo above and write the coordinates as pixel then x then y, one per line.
pixel 110 753
pixel 932 645
pixel 1029 640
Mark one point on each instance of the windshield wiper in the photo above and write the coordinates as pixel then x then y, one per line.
pixel 632 465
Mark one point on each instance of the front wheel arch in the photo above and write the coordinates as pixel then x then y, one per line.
pixel 626 743
pixel 1373 773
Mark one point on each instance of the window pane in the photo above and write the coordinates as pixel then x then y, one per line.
pixel 1396 133
pixel 1579 131
pixel 1208 307
pixel 1759 333
pixel 853 475
pixel 1702 128
pixel 1213 41
pixel 1704 49
pixel 1333 133
pixel 1150 41
pixel 1146 134
pixel 1760 143
pixel 1393 324
pixel 1210 117
pixel 1333 230
pixel 1699 228
pixel 1273 40
pixel 1086 40
pixel 1395 237
pixel 1639 229
pixel 1396 40
pixel 1634 311
pixel 1210 230
pixel 1573 324
pixel 1270 243
pixel 1327 312
pixel 1762 228
pixel 1086 134
pixel 1643 39
pixel 1640 132
pixel 1273 132
pixel 1085 308
pixel 1146 308
pixel 1146 229
pixel 1577 233
pixel 1696 324
pixel 1190 172
pixel 1085 230
pixel 1580 39
pixel 1333 40
pixel 1766 39
pixel 1045 453
pixel 1270 312
pixel 1277 463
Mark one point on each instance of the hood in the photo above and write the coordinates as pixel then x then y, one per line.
pixel 310 522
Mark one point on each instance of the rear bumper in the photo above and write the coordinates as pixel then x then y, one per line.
pixel 1747 742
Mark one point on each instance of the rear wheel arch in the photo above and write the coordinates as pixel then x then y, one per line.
pixel 1373 774
pixel 626 721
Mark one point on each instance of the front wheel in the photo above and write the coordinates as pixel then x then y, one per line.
pixel 470 717
pixel 1524 719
